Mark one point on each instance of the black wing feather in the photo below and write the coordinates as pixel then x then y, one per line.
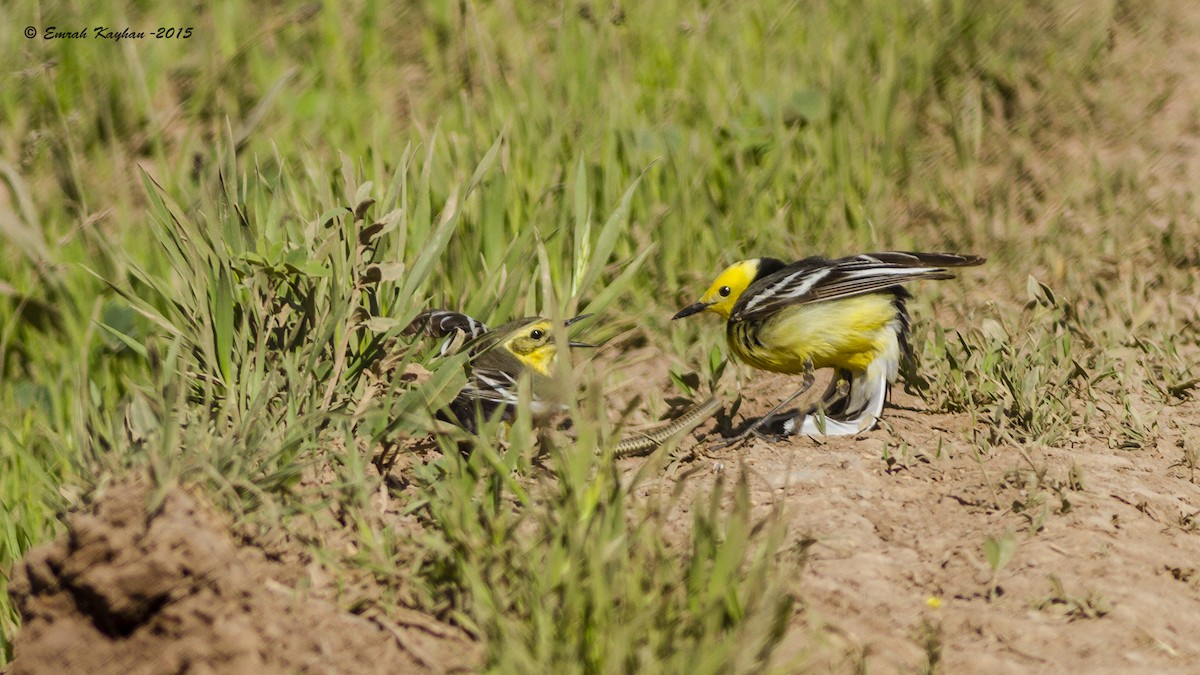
pixel 456 327
pixel 442 322
pixel 819 279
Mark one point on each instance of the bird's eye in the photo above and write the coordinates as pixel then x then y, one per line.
pixel 536 334
pixel 724 291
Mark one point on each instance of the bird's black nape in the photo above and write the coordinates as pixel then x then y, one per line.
pixel 767 266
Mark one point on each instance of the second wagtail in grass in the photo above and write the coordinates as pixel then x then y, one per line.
pixel 846 313
pixel 498 359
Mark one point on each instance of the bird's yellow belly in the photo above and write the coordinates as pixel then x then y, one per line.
pixel 845 334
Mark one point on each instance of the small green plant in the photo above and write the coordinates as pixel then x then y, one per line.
pixel 930 638
pixel 1191 454
pixel 687 383
pixel 1089 605
pixel 717 362
pixel 998 551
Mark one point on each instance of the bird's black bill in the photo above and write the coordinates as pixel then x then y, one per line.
pixel 581 317
pixel 577 319
pixel 691 309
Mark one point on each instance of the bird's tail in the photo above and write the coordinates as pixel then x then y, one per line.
pixel 864 402
pixel 456 327
pixel 913 259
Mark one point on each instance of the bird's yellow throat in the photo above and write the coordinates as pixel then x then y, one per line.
pixel 536 353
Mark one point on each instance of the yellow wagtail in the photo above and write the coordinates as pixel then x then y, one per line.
pixel 498 359
pixel 848 314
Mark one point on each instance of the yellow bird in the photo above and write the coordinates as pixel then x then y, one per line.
pixel 498 359
pixel 847 313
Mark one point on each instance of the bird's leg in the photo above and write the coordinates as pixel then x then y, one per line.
pixel 752 430
pixel 836 397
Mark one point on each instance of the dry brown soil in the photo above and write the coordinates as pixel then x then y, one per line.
pixel 170 591
pixel 1109 583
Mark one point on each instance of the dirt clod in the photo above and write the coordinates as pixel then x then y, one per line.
pixel 128 590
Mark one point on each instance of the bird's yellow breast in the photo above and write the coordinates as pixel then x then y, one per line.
pixel 847 334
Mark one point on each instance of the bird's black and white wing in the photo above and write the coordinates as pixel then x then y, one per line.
pixel 489 390
pixel 818 279
pixel 491 384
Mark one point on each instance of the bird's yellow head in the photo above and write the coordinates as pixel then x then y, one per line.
pixel 532 343
pixel 725 290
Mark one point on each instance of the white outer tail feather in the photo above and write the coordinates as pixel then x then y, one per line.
pixel 868 392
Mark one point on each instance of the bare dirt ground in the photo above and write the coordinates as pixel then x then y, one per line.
pixel 172 592
pixel 895 561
